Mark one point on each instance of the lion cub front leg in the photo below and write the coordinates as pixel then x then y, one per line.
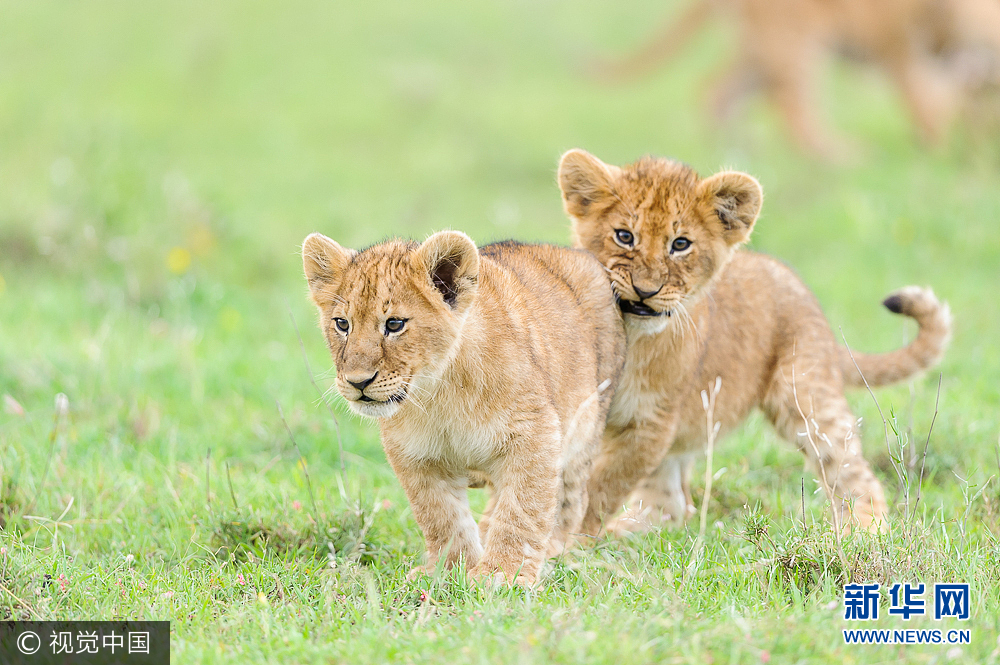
pixel 521 517
pixel 440 505
pixel 627 456
pixel 662 499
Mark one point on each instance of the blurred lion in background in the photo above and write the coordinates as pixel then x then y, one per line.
pixel 935 51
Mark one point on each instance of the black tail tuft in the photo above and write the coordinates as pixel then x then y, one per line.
pixel 894 304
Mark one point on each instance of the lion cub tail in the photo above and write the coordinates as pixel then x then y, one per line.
pixel 879 369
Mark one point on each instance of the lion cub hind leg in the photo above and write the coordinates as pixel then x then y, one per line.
pixel 662 499
pixel 571 501
pixel 484 521
pixel 809 409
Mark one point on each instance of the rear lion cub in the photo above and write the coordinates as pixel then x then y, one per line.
pixel 697 308
pixel 495 364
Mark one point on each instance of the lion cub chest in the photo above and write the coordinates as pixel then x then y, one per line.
pixel 634 400
pixel 650 383
pixel 453 440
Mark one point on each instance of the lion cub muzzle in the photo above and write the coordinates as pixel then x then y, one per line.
pixel 364 392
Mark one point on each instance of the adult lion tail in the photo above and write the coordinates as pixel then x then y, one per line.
pixel 879 369
pixel 669 40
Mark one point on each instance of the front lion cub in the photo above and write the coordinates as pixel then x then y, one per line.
pixel 496 364
pixel 698 309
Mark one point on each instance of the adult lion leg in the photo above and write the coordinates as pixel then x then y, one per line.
pixel 662 499
pixel 807 409
pixel 932 98
pixel 790 77
pixel 731 87
pixel 792 93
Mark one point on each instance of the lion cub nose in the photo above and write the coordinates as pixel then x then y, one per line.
pixel 360 383
pixel 644 294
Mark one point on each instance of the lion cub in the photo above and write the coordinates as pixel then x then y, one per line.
pixel 697 308
pixel 496 364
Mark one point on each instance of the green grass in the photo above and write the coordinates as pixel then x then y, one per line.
pixel 158 169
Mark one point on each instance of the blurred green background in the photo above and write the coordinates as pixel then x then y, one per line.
pixel 161 163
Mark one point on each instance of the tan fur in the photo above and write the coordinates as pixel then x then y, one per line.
pixel 502 374
pixel 920 44
pixel 722 313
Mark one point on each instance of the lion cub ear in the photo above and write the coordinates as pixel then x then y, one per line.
pixel 450 260
pixel 324 262
pixel 586 183
pixel 735 198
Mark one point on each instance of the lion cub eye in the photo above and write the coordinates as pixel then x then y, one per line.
pixel 680 244
pixel 624 237
pixel 342 325
pixel 394 325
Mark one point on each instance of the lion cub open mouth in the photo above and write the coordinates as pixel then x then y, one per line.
pixel 393 399
pixel 366 406
pixel 640 309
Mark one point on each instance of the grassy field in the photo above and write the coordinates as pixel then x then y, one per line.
pixel 158 170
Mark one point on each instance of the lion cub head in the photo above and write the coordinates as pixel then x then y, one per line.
pixel 392 314
pixel 661 231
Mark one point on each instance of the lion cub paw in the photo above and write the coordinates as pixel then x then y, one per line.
pixel 426 570
pixel 493 578
pixel 628 524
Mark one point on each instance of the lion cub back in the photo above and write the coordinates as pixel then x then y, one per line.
pixel 575 330
pixel 559 307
